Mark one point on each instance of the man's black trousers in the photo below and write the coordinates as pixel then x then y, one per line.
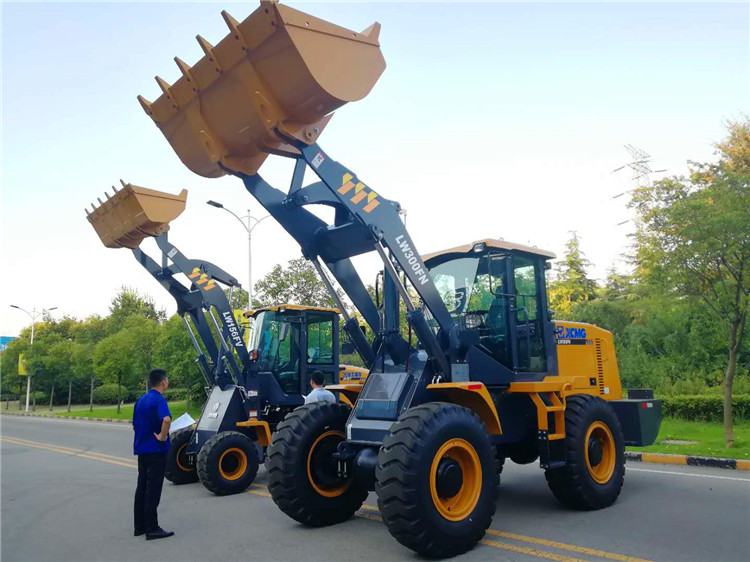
pixel 148 493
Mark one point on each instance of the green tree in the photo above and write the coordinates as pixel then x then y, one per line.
pixel 142 333
pixel 83 367
pixel 60 362
pixel 298 283
pixel 113 359
pixel 237 298
pixel 693 238
pixel 129 302
pixel 571 283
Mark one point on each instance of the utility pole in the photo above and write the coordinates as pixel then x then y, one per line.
pixel 34 314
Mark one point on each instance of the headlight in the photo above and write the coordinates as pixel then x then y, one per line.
pixel 473 321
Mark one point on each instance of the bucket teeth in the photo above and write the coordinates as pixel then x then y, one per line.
pixel 185 69
pixel 163 85
pixel 208 48
pixel 234 28
pixel 232 23
pixel 183 66
pixel 145 104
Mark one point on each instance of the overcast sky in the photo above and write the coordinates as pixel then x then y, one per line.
pixel 491 120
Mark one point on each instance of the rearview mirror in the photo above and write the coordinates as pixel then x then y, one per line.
pixel 347 348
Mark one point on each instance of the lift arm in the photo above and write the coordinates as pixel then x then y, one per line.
pixel 205 295
pixel 364 222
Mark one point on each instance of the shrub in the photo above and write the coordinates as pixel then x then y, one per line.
pixel 174 394
pixel 171 394
pixel 706 407
pixel 107 394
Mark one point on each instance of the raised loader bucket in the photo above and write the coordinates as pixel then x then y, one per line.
pixel 132 213
pixel 279 69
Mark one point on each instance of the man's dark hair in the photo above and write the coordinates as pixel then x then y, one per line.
pixel 155 377
pixel 318 377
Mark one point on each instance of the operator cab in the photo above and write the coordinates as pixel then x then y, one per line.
pixel 495 291
pixel 291 342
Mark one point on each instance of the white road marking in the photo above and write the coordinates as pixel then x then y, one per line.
pixel 629 469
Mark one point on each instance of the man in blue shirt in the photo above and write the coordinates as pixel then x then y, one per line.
pixel 151 421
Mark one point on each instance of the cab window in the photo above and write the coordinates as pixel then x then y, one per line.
pixel 529 329
pixel 320 340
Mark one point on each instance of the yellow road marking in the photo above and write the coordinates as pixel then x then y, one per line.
pixel 564 546
pixel 529 551
pixel 260 491
pixel 78 451
pixel 56 450
pixel 487 542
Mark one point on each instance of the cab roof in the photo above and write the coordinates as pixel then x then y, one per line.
pixel 282 307
pixel 492 243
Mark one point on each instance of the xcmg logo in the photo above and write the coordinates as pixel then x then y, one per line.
pixel 360 192
pixel 201 278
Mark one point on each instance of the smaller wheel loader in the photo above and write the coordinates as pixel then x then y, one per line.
pixel 249 392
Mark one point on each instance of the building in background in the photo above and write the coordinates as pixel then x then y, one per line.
pixel 4 341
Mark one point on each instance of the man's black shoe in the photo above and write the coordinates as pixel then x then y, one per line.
pixel 138 533
pixel 158 533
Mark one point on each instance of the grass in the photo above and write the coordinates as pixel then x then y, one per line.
pixel 710 437
pixel 126 411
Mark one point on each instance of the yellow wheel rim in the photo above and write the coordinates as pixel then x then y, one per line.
pixel 232 463
pixel 178 456
pixel 603 470
pixel 459 506
pixel 325 490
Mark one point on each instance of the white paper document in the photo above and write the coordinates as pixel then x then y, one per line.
pixel 185 420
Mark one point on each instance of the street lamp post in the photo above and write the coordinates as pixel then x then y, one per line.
pixel 34 314
pixel 249 227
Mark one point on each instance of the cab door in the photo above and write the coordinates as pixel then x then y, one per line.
pixel 527 314
pixel 321 346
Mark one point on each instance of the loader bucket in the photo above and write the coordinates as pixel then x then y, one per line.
pixel 133 213
pixel 280 69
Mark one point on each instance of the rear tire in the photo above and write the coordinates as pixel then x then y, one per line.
pixel 595 469
pixel 437 516
pixel 227 463
pixel 178 471
pixel 302 476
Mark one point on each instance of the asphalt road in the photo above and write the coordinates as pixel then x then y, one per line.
pixel 67 492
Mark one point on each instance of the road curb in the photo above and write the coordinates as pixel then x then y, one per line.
pixel 80 418
pixel 688 460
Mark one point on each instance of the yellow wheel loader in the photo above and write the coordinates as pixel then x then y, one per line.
pixel 486 372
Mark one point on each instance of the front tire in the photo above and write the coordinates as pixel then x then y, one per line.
pixel 227 463
pixel 302 475
pixel 178 470
pixel 595 469
pixel 437 480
